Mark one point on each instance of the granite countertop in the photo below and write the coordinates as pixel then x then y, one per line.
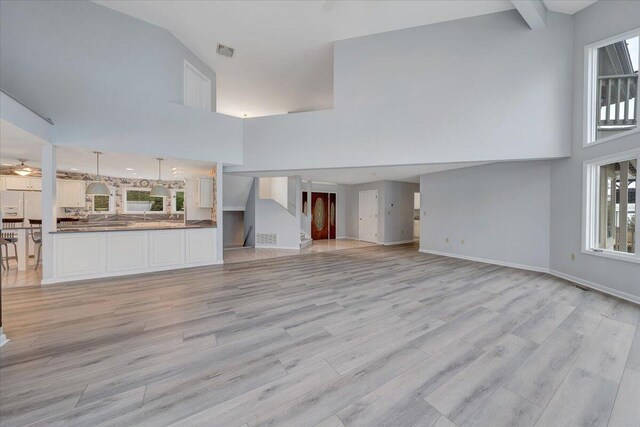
pixel 94 227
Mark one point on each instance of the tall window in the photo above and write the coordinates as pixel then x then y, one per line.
pixel 136 201
pixel 613 87
pixel 177 201
pixel 612 210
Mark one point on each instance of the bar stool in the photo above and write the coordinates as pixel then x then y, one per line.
pixel 36 237
pixel 10 238
pixel 3 243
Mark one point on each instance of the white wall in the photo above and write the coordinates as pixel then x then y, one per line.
pixel 250 215
pixel 501 211
pixel 276 189
pixel 273 218
pixel 395 223
pixel 109 81
pixel 456 91
pixel 236 191
pixel 599 21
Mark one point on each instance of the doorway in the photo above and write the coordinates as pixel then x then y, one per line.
pixel 323 215
pixel 368 216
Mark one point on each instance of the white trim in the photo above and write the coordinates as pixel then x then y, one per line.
pixel 487 261
pixel 233 209
pixel 276 247
pixel 582 282
pixel 399 242
pixel 173 200
pixel 601 288
pixel 590 206
pixel 590 95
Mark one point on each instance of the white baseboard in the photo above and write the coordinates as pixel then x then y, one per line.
pixel 596 286
pixel 489 261
pixel 581 282
pixel 399 242
pixel 277 247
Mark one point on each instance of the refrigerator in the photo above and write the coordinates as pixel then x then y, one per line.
pixel 21 204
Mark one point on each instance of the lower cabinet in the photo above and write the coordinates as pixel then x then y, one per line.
pixel 103 254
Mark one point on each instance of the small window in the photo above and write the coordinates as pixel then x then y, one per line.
pixel 177 201
pixel 105 204
pixel 136 201
pixel 611 207
pixel 613 87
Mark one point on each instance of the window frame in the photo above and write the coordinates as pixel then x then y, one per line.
pixel 124 202
pixel 112 202
pixel 591 94
pixel 173 200
pixel 591 211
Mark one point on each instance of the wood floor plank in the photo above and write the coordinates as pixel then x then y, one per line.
pixel 414 338
pixel 583 399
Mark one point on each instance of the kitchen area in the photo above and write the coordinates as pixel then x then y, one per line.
pixel 116 214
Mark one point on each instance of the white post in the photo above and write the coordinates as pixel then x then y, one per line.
pixel 49 211
pixel 299 216
pixel 219 212
pixel 309 211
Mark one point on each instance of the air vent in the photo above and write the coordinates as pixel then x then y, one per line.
pixel 225 50
pixel 266 239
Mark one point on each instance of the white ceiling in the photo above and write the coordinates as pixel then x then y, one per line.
pixel 404 173
pixel 16 143
pixel 284 49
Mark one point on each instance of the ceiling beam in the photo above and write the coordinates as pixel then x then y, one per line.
pixel 533 12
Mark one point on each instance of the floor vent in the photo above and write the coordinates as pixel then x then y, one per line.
pixel 266 239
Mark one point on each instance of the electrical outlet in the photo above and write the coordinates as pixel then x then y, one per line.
pixel 446 240
pixel 462 241
pixel 573 257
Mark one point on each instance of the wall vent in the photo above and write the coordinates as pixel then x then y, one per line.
pixel 266 239
pixel 225 50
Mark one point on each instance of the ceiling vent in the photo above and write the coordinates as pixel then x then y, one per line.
pixel 225 50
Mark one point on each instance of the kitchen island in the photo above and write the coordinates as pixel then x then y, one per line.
pixel 96 250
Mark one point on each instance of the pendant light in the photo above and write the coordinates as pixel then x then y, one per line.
pixel 97 187
pixel 159 190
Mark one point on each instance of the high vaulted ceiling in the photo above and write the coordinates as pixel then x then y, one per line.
pixel 283 59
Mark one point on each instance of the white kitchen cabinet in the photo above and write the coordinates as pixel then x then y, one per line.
pixel 205 192
pixel 22 184
pixel 71 194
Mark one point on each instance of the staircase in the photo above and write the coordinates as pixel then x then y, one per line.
pixel 305 240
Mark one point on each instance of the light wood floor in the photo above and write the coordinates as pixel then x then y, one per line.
pixel 234 255
pixel 358 337
pixel 12 278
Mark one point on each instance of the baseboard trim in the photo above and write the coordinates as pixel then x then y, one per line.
pixel 399 242
pixel 596 286
pixel 488 261
pixel 578 281
pixel 276 247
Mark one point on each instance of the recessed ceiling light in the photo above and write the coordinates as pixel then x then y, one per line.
pixel 129 169
pixel 73 169
pixel 7 164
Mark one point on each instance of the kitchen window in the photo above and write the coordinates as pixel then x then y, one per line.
pixel 138 201
pixel 612 88
pixel 611 208
pixel 177 201
pixel 105 204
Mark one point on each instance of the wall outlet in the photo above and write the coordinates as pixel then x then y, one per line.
pixel 446 240
pixel 462 241
pixel 573 257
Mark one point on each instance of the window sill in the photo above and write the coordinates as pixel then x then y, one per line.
pixel 620 256
pixel 611 138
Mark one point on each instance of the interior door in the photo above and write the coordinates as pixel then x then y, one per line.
pixel 332 215
pixel 368 216
pixel 319 217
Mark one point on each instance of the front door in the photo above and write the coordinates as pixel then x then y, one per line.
pixel 332 215
pixel 319 217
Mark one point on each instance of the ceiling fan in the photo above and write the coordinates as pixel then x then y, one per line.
pixel 23 170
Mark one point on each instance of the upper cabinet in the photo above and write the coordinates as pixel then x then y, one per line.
pixel 205 192
pixel 71 194
pixel 24 184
